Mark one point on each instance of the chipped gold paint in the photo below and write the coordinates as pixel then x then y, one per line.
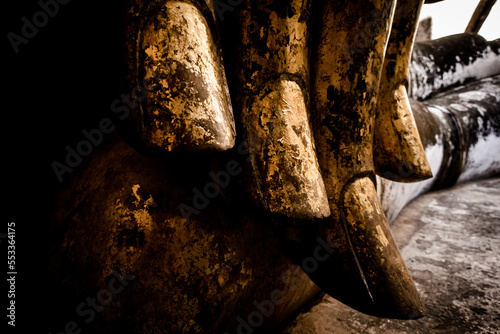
pixel 398 151
pixel 345 87
pixel 347 65
pixel 188 107
pixel 137 219
pixel 285 153
pixel 382 238
pixel 273 96
pixel 97 232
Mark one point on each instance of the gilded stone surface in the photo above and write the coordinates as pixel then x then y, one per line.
pixel 175 57
pixel 273 108
pixel 398 152
pixel 191 276
pixel 345 87
pixel 283 153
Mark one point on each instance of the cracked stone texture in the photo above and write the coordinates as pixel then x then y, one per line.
pixel 450 240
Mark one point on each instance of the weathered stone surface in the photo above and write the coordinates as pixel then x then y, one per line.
pixel 450 241
pixel 424 31
pixel 398 153
pixel 476 111
pixel 272 75
pixel 123 213
pixel 210 273
pixel 451 61
pixel 188 104
pixel 174 58
pixel 366 270
pixel 283 153
pixel 460 131
pixel 345 84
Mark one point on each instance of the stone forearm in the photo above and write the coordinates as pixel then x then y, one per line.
pixel 451 61
pixel 460 131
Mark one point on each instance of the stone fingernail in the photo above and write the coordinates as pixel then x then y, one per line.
pixel 388 281
pixel 398 153
pixel 282 152
pixel 187 107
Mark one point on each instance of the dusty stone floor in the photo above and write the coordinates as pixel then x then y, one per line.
pixel 450 240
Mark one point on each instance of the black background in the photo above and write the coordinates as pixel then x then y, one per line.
pixel 59 83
